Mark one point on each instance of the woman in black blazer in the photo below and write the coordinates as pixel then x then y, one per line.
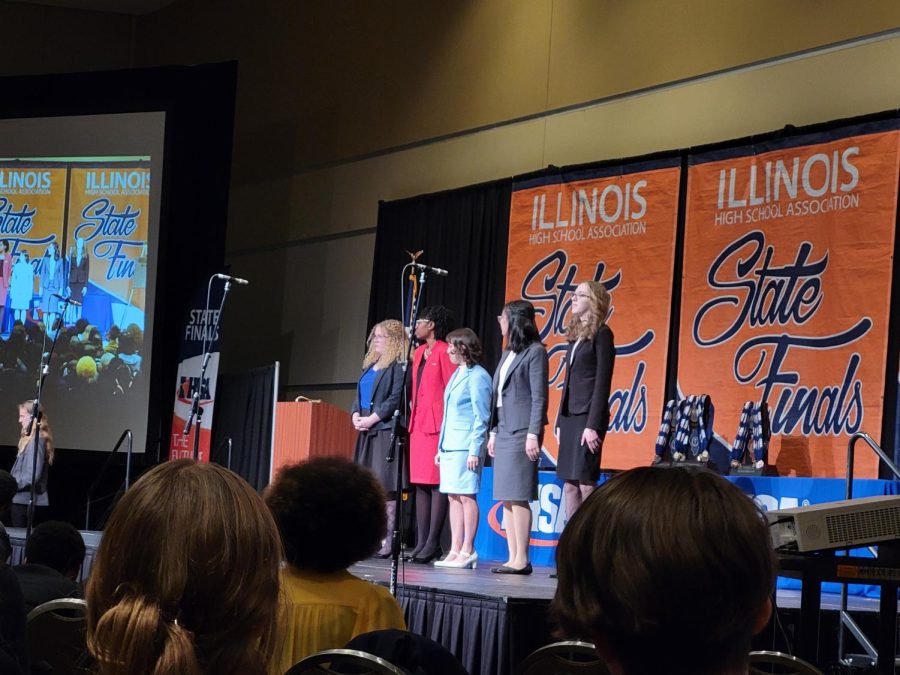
pixel 377 397
pixel 584 408
pixel 518 417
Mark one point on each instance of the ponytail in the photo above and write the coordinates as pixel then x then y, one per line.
pixel 133 637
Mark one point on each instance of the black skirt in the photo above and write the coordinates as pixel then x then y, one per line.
pixel 575 461
pixel 372 448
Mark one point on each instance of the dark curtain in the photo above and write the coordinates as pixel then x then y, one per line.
pixel 489 635
pixel 464 231
pixel 245 403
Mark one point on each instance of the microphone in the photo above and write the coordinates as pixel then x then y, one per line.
pixel 237 280
pixel 65 299
pixel 434 270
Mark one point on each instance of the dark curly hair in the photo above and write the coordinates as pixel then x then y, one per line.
pixel 441 317
pixel 57 545
pixel 330 512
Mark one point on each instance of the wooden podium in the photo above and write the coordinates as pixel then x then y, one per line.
pixel 305 429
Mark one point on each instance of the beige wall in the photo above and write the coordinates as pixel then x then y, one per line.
pixel 346 102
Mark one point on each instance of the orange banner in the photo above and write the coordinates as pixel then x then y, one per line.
pixel 109 207
pixel 616 225
pixel 32 204
pixel 786 289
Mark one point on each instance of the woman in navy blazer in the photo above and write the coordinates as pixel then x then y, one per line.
pixel 377 397
pixel 467 413
pixel 518 417
pixel 584 407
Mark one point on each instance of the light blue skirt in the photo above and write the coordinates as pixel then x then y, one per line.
pixel 456 478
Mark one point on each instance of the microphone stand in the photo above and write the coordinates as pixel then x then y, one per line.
pixel 196 411
pixel 396 448
pixel 37 413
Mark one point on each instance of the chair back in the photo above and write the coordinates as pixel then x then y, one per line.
pixel 564 658
pixel 413 653
pixel 56 636
pixel 778 663
pixel 343 662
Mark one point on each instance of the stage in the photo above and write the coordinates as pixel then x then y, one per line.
pixel 491 621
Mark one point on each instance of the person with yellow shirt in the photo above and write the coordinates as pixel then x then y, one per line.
pixel 331 515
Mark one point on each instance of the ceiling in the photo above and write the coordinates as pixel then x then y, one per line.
pixel 118 6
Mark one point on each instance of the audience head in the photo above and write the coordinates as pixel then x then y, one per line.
pixel 666 571
pixel 517 323
pixel 387 344
pixel 86 369
pixel 186 577
pixel 436 318
pixel 466 345
pixel 317 503
pixel 57 545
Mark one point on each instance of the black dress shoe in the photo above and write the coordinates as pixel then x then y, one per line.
pixel 408 557
pixel 503 569
pixel 553 575
pixel 425 558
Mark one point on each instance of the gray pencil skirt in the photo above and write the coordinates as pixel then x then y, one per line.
pixel 515 476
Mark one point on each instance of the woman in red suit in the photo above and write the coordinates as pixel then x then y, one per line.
pixel 431 370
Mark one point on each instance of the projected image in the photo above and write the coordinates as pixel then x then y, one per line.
pixel 73 228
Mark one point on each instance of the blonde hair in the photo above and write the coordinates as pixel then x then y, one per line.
pixel 599 300
pixel 44 428
pixel 396 350
pixel 185 581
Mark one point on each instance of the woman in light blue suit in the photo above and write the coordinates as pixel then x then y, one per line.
pixel 467 412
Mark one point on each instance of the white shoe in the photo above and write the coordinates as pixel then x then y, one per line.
pixel 703 456
pixel 467 561
pixel 677 456
pixel 444 563
pixel 760 464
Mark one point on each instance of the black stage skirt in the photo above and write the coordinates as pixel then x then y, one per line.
pixel 372 448
pixel 575 461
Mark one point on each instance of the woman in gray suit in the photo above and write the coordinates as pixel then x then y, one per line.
pixel 519 415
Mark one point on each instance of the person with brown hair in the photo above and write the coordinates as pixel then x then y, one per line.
pixel 331 515
pixel 31 453
pixel 377 398
pixel 185 581
pixel 666 571
pixel 467 406
pixel 584 407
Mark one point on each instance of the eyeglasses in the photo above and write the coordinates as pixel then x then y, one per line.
pixel 379 337
pixel 418 321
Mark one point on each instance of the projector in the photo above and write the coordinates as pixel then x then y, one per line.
pixel 846 524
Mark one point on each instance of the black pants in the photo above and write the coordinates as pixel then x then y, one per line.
pixel 18 514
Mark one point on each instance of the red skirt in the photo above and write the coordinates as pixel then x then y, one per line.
pixel 422 449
